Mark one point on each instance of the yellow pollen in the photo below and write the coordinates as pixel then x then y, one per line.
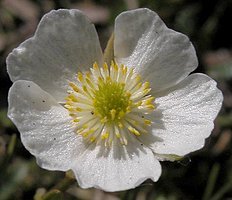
pixel 133 130
pixel 92 139
pixel 107 103
pixel 74 87
pixel 105 135
pixel 76 120
pixel 147 122
pixel 80 77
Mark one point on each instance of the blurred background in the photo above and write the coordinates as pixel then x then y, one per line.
pixel 205 174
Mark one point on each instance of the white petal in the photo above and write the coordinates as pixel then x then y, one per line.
pixel 118 168
pixel 65 42
pixel 162 56
pixel 44 126
pixel 184 116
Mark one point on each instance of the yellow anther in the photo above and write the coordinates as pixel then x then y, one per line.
pixel 80 76
pixel 69 103
pixel 105 67
pixel 105 135
pixel 87 133
pixel 149 100
pixel 115 66
pixel 72 110
pixel 76 120
pixel 139 103
pixel 88 75
pixel 78 109
pixel 146 91
pixel 138 78
pixel 100 80
pixel 147 122
pixel 73 86
pixel 85 126
pixel 79 131
pixel 72 97
pixel 95 67
pixel 85 88
pixel 67 98
pixel 125 69
pixel 146 85
pixel 133 130
pixel 150 106
pixel 89 82
pixel 67 106
pixel 92 139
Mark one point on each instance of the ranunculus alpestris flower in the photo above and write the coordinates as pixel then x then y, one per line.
pixel 111 123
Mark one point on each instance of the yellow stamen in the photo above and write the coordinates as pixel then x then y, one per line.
pixel 105 135
pixel 147 122
pixel 134 131
pixel 108 103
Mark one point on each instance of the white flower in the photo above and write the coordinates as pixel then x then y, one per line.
pixel 110 124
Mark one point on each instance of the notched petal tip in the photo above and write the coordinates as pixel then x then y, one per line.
pixel 138 11
pixel 65 42
pixel 153 49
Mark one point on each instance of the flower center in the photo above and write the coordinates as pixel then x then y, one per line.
pixel 111 101
pixel 110 104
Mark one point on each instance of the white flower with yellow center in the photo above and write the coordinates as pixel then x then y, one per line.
pixel 110 118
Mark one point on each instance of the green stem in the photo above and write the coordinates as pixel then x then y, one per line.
pixel 56 192
pixel 64 184
pixel 224 189
pixel 11 145
pixel 53 195
pixel 211 181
